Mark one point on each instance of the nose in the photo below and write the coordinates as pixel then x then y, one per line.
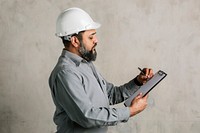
pixel 95 40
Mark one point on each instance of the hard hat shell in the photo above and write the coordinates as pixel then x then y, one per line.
pixel 74 20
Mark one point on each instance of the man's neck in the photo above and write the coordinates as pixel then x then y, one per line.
pixel 72 50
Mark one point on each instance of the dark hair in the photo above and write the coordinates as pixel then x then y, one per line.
pixel 67 42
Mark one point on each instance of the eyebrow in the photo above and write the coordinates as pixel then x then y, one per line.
pixel 93 33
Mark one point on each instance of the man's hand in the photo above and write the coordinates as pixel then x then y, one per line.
pixel 138 104
pixel 145 75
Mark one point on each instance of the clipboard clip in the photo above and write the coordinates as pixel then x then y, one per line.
pixel 161 72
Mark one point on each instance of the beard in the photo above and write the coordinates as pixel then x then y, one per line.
pixel 89 55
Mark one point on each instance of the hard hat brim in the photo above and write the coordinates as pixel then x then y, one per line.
pixel 94 25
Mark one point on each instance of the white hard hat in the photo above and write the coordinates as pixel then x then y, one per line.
pixel 74 20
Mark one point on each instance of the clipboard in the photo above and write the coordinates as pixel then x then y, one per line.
pixel 146 88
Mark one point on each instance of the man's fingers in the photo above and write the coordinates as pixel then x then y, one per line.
pixel 138 96
pixel 148 72
pixel 146 96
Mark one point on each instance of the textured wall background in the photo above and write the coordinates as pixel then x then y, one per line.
pixel 147 33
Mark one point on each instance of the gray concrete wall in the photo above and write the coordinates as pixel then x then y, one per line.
pixel 147 33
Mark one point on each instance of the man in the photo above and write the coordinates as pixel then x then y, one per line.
pixel 81 95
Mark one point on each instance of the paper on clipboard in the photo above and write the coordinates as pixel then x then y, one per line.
pixel 146 88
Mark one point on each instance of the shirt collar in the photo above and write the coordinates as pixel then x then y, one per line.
pixel 73 57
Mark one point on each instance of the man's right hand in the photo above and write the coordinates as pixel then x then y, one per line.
pixel 138 104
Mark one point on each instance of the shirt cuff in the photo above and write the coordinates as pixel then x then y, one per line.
pixel 137 82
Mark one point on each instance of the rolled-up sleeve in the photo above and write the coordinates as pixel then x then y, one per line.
pixel 71 96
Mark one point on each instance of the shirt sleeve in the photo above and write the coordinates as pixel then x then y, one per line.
pixel 73 99
pixel 117 94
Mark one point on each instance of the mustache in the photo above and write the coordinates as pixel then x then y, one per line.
pixel 94 45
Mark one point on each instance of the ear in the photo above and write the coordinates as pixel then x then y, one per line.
pixel 75 42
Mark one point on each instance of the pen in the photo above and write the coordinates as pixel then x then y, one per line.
pixel 141 71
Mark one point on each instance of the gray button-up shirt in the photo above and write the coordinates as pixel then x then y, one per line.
pixel 83 97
